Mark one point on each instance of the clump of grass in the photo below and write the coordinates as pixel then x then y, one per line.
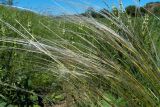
pixel 88 61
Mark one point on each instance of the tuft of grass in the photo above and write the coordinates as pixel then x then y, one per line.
pixel 79 60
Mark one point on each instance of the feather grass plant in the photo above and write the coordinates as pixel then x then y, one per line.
pixel 91 62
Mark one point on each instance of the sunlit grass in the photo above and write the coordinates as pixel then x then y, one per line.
pixel 80 60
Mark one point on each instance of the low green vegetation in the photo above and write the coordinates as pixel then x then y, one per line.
pixel 109 61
